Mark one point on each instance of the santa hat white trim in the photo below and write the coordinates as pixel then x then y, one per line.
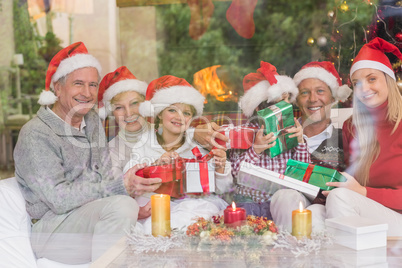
pixel 120 87
pixel 76 62
pixel 253 97
pixel 263 91
pixel 167 96
pixel 318 73
pixel 369 64
pixel 284 84
pixel 340 93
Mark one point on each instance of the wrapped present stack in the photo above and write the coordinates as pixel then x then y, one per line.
pixel 184 176
pixel 269 181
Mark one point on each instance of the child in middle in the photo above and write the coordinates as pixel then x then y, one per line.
pixel 261 90
pixel 173 102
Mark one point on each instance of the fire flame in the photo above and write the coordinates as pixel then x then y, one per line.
pixel 233 206
pixel 301 206
pixel 207 82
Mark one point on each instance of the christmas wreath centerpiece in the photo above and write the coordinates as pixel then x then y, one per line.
pixel 256 229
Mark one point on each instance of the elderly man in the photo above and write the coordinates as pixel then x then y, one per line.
pixel 78 208
pixel 319 87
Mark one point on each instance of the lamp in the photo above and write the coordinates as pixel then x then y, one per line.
pixel 18 60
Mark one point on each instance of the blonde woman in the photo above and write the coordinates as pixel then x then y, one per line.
pixel 373 141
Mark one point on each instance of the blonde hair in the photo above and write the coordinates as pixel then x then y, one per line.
pixel 369 148
pixel 122 95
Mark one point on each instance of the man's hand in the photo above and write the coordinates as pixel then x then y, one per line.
pixel 297 130
pixel 261 142
pixel 145 211
pixel 205 135
pixel 136 186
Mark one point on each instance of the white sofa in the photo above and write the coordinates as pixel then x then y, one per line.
pixel 15 229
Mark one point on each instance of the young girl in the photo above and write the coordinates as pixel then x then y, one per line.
pixel 173 102
pixel 263 89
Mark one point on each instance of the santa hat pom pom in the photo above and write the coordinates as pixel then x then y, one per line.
pixel 285 84
pixel 146 108
pixel 102 113
pixel 343 93
pixel 47 97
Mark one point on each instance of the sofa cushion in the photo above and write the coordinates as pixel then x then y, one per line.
pixel 15 246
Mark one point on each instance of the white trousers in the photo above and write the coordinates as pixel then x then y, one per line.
pixel 283 202
pixel 86 233
pixel 340 202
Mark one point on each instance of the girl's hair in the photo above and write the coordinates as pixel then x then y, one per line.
pixel 368 145
pixel 159 136
pixel 118 96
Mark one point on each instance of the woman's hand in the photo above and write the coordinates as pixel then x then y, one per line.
pixel 220 160
pixel 350 183
pixel 297 130
pixel 145 211
pixel 136 185
pixel 167 158
pixel 263 142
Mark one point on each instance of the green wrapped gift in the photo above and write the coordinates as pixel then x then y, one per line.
pixel 312 174
pixel 277 119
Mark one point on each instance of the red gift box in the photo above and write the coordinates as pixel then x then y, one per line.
pixel 240 137
pixel 172 176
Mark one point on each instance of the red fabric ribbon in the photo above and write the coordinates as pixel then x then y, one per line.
pixel 307 174
pixel 203 165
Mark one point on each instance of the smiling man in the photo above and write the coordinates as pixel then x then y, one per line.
pixel 63 167
pixel 320 87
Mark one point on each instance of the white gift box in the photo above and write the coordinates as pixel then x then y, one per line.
pixel 192 181
pixel 268 181
pixel 357 232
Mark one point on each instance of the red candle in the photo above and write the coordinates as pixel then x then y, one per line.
pixel 234 216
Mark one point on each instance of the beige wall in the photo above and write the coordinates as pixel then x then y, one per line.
pixel 6 33
pixel 98 31
pixel 138 41
pixel 116 36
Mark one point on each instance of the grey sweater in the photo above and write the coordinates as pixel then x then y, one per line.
pixel 59 168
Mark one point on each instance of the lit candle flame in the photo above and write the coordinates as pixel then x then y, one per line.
pixel 233 206
pixel 301 206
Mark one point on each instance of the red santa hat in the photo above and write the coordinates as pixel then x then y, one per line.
pixel 372 56
pixel 66 61
pixel 121 80
pixel 265 85
pixel 324 71
pixel 167 90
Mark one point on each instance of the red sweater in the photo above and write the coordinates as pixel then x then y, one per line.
pixel 385 177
